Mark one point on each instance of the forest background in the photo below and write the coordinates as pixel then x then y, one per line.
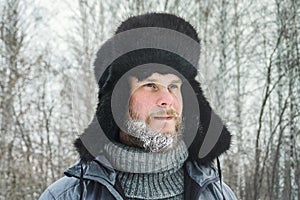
pixel 249 70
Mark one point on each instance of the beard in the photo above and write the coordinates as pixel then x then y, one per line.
pixel 139 134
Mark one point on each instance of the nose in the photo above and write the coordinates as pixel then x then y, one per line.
pixel 165 98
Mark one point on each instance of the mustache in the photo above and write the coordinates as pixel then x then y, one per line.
pixel 163 112
pixel 169 112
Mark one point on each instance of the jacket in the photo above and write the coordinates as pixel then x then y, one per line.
pixel 97 180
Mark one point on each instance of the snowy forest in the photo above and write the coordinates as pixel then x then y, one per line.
pixel 249 70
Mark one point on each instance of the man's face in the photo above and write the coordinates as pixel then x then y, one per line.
pixel 157 101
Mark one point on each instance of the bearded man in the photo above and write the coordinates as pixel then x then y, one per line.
pixel 154 135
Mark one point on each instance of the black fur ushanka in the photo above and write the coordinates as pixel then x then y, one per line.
pixel 139 57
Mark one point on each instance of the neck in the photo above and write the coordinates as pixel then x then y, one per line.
pixel 158 142
pixel 126 139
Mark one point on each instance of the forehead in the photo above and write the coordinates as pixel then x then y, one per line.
pixel 157 77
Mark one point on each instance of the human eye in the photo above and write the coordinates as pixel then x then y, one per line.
pixel 173 86
pixel 150 85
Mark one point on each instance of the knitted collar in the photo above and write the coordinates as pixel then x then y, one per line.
pixel 134 160
pixel 145 175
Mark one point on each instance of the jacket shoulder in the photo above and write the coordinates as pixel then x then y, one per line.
pixel 64 188
pixel 92 180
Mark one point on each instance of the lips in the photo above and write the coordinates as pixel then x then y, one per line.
pixel 163 117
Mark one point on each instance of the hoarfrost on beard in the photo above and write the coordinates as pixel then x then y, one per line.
pixel 149 139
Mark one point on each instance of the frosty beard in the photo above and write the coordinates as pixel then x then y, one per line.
pixel 139 134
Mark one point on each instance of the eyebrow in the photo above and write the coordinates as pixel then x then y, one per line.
pixel 155 80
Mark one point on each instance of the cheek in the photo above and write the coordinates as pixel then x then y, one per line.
pixel 179 104
pixel 140 105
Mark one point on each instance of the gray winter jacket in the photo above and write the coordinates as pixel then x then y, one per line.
pixel 97 180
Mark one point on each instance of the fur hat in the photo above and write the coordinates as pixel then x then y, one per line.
pixel 182 67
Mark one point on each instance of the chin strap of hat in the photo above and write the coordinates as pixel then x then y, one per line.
pixel 220 176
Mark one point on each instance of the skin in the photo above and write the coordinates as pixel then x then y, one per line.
pixel 157 101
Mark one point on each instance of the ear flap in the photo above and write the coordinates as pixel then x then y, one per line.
pixel 91 142
pixel 212 138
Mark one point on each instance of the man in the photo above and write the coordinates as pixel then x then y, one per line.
pixel 160 136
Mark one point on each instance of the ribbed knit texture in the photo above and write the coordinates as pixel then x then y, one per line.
pixel 146 175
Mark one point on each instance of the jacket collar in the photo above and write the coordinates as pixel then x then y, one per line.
pixel 100 169
pixel 201 174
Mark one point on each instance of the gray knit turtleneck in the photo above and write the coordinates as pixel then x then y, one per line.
pixel 147 175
